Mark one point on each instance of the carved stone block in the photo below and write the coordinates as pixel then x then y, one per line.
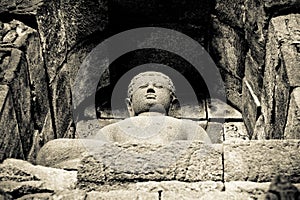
pixel 251 107
pixel 180 160
pixel 292 128
pixel 10 141
pixel 261 161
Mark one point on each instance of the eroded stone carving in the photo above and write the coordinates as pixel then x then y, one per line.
pixel 151 100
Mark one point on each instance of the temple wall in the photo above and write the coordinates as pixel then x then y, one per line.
pixel 186 170
pixel 254 43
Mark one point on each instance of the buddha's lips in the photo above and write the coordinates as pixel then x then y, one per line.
pixel 150 96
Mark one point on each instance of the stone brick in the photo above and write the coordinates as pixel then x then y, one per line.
pixel 16 77
pixel 233 86
pixel 44 178
pixel 228 195
pixel 53 36
pixel 88 16
pixel 62 24
pixel 280 5
pixel 218 109
pixel 65 153
pixel 251 107
pixel 20 7
pixel 180 160
pixel 121 194
pixel 286 34
pixel 178 187
pixel 229 48
pixel 255 29
pixel 292 128
pixel 10 140
pixel 261 161
pixel 38 79
pixel 191 111
pixel 62 103
pixel 235 131
pixel 215 132
pixel 231 12
pixel 69 194
pixel 280 73
pixel 254 73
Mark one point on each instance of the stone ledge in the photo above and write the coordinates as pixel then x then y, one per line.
pixel 261 161
pixel 127 163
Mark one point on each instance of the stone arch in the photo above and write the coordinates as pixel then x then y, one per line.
pixel 133 59
pixel 97 63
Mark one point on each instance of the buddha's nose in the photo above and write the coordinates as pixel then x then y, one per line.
pixel 150 88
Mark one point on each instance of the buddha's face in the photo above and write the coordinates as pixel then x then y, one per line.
pixel 151 94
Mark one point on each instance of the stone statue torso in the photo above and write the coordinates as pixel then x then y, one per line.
pixel 152 129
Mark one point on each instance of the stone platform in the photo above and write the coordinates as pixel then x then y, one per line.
pixel 184 170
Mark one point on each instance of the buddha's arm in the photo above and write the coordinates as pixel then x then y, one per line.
pixel 106 134
pixel 197 133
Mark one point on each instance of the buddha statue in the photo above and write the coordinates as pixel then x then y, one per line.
pixel 151 98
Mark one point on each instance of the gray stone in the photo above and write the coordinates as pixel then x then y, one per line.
pixel 255 31
pixel 4 195
pixel 282 188
pixel 233 87
pixel 254 73
pixel 251 108
pixel 249 187
pixel 162 189
pixel 231 12
pixel 69 194
pixel 88 16
pixel 218 109
pixel 215 132
pixel 37 196
pixel 229 48
pixel 53 36
pixel 38 78
pixel 286 33
pixel 62 103
pixel 16 77
pixel 18 189
pixel 10 37
pixel 228 195
pixel 74 21
pixel 86 128
pixel 179 160
pixel 49 178
pixel 65 153
pixel 261 161
pixel 179 187
pixel 284 4
pixel 292 128
pixel 121 194
pixel 20 7
pixel 280 62
pixel 10 140
pixel 47 132
pixel 235 131
pixel 195 112
pixel 151 100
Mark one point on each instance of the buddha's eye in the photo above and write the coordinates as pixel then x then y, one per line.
pixel 143 86
pixel 158 85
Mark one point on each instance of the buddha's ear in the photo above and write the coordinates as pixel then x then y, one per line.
pixel 129 107
pixel 174 110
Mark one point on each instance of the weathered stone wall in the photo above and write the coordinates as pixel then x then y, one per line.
pixel 258 52
pixel 185 170
pixel 43 44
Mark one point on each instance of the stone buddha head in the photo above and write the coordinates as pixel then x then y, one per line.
pixel 150 92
